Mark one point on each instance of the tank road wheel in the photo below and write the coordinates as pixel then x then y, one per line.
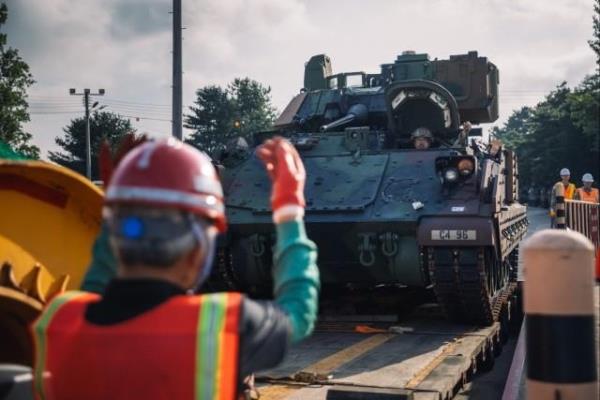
pixel 471 284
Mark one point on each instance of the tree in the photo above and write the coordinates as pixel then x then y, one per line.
pixel 251 105
pixel 584 106
pixel 211 119
pixel 561 131
pixel 15 78
pixel 218 114
pixel 103 125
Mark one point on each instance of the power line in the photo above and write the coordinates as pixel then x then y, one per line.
pixel 137 109
pixel 54 112
pixel 145 118
pixel 42 109
pixel 109 99
pixel 44 102
pixel 55 99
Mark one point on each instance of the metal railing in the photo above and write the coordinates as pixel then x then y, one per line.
pixel 582 217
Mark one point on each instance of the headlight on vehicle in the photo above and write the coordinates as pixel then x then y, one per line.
pixel 451 175
pixel 466 166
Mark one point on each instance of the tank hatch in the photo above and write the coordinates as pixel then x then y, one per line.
pixel 289 113
pixel 340 184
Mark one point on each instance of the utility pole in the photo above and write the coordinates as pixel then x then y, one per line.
pixel 177 96
pixel 86 102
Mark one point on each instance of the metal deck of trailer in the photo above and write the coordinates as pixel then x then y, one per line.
pixel 421 358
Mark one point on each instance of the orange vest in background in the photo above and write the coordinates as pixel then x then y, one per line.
pixel 591 196
pixel 185 348
pixel 570 192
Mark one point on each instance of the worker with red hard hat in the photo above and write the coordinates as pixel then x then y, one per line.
pixel 148 336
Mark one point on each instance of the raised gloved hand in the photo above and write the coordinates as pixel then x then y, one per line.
pixel 287 173
pixel 108 162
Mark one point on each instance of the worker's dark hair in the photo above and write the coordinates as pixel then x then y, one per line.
pixel 152 237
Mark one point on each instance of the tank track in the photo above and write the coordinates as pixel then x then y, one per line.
pixel 461 279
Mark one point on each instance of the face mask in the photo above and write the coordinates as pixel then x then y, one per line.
pixel 206 240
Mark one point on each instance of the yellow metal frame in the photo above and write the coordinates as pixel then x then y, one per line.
pixel 49 219
pixel 60 238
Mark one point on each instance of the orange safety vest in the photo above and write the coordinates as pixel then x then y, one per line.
pixel 185 348
pixel 591 196
pixel 569 192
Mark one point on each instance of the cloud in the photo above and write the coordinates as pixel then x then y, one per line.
pixel 132 19
pixel 124 46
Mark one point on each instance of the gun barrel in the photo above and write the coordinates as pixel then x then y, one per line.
pixel 338 122
pixel 358 112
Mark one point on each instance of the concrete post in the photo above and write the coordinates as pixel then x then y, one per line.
pixel 559 311
pixel 559 193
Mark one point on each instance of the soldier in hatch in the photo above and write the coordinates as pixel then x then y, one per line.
pixel 421 138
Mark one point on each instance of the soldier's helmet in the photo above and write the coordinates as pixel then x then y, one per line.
pixel 421 133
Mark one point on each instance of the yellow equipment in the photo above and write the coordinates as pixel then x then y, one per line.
pixel 49 218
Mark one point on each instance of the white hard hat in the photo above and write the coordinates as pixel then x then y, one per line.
pixel 565 172
pixel 587 178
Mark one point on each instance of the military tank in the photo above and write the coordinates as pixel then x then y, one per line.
pixel 384 214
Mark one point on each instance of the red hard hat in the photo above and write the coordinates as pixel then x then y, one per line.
pixel 169 173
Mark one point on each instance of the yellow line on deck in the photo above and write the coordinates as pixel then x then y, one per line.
pixel 334 361
pixel 327 365
pixel 425 371
pixel 275 392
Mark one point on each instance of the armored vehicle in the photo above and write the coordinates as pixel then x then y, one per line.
pixel 382 213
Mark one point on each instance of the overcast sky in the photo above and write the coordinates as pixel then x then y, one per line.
pixel 124 47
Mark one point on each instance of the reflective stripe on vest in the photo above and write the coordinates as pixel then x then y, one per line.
pixel 194 344
pixel 40 340
pixel 591 196
pixel 217 346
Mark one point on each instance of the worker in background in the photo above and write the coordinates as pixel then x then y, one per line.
pixel 565 175
pixel 587 192
pixel 148 336
pixel 421 138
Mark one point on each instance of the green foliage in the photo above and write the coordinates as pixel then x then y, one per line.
pixel 220 114
pixel 585 109
pixel 103 125
pixel 211 119
pixel 15 78
pixel 561 131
